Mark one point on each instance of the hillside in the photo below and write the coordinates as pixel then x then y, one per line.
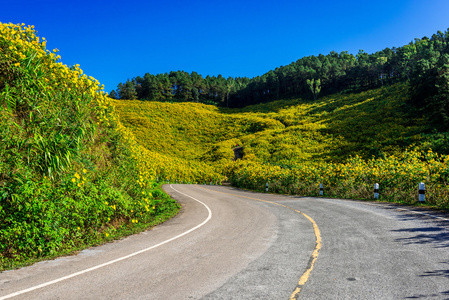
pixel 347 141
pixel 371 123
pixel 286 132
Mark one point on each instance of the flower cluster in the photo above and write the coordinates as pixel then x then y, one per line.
pixel 398 176
pixel 78 179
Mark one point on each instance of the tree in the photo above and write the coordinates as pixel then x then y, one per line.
pixel 337 72
pixel 315 87
pixel 230 83
pixel 438 105
pixel 113 95
pixel 195 94
pixel 380 62
pixel 127 90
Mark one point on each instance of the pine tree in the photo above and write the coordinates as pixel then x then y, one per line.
pixel 315 87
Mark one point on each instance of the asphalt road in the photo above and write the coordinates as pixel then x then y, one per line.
pixel 233 244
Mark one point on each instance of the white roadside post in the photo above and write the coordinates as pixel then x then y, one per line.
pixel 422 192
pixel 266 189
pixel 376 191
pixel 321 189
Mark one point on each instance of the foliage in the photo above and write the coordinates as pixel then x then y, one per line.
pixel 181 86
pixel 68 174
pixel 398 176
pixel 297 144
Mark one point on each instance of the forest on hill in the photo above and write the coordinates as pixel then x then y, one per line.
pixel 424 63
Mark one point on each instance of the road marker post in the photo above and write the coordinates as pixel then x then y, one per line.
pixel 376 191
pixel 422 192
pixel 266 188
pixel 321 189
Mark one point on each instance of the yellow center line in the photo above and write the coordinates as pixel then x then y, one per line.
pixel 305 276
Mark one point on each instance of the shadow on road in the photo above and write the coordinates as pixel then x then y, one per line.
pixel 442 273
pixel 428 296
pixel 437 236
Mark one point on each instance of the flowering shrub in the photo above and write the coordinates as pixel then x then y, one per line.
pixel 398 176
pixel 69 177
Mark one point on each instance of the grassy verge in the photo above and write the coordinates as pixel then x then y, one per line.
pixel 110 233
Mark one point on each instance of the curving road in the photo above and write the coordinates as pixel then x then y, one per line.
pixel 233 244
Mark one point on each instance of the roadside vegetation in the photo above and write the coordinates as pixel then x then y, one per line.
pixel 69 175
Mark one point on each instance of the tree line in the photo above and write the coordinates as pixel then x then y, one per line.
pixel 181 86
pixel 423 62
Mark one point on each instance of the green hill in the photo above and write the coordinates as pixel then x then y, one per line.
pixel 347 141
pixel 288 133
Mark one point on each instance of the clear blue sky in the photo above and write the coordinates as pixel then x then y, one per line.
pixel 116 40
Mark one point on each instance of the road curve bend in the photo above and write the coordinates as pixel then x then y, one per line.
pixel 232 244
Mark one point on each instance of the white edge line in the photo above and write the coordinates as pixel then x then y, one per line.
pixel 115 260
